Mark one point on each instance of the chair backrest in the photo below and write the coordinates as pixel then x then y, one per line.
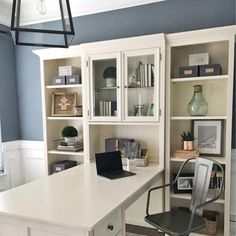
pixel 201 181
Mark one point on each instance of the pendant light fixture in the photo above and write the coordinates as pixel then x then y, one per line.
pixel 30 25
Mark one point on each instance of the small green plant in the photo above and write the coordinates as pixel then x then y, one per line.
pixel 69 131
pixel 187 136
pixel 109 72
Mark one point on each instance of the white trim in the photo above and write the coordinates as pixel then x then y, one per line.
pixel 24 162
pixel 5 13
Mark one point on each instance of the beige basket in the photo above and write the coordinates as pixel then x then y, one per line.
pixel 211 218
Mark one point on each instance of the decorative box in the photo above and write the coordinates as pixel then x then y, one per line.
pixel 207 70
pixel 59 80
pixel 73 79
pixel 188 71
pixel 68 70
pixel 62 165
pixel 198 59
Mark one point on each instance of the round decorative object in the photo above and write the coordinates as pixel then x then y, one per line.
pixel 198 105
pixel 109 75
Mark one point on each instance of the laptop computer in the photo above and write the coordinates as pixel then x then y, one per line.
pixel 109 165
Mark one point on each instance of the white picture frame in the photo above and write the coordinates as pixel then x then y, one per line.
pixel 208 137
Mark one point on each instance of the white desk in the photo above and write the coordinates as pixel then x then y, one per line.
pixel 75 202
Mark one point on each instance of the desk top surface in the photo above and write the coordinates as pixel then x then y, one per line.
pixel 75 198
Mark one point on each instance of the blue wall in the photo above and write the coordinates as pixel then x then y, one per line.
pixel 169 16
pixel 8 92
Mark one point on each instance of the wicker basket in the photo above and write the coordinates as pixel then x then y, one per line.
pixel 211 218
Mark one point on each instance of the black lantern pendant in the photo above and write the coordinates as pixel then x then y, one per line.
pixel 57 33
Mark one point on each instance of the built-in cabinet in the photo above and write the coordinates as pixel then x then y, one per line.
pixel 133 94
pixel 125 94
pixel 217 91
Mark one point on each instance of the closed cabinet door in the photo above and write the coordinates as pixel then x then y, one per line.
pixel 141 85
pixel 105 97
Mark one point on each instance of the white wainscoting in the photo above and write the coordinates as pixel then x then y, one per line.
pixel 24 162
pixel 233 194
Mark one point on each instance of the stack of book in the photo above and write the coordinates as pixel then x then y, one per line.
pixel 62 146
pixel 107 108
pixel 145 75
pixel 186 154
pixel 215 183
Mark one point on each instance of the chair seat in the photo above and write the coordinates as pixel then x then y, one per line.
pixel 175 222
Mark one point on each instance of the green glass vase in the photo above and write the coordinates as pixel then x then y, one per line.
pixel 198 105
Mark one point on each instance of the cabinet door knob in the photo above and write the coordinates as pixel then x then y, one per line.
pixel 118 87
pixel 125 86
pixel 110 227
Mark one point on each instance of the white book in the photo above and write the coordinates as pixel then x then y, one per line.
pixel 101 108
pixel 109 108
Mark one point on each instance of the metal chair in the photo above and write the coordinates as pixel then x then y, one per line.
pixel 183 221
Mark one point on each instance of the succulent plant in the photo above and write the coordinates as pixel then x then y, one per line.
pixel 187 136
pixel 69 131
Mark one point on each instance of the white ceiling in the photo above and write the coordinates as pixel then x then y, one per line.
pixel 78 8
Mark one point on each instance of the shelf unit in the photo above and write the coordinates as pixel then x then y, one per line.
pixel 50 60
pixel 217 90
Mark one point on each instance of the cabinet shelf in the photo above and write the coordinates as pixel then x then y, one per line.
pixel 186 196
pixel 64 86
pixel 81 153
pixel 198 117
pixel 221 160
pixel 200 78
pixel 144 87
pixel 105 89
pixel 64 118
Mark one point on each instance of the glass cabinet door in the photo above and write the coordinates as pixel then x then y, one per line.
pixel 105 87
pixel 141 74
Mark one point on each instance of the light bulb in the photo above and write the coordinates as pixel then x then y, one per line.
pixel 41 7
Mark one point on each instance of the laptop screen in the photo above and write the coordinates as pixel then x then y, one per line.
pixel 108 161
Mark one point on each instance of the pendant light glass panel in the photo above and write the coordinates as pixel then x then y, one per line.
pixel 46 23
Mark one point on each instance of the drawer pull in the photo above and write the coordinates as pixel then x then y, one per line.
pixel 110 227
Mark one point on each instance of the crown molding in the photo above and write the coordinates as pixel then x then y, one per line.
pixel 78 8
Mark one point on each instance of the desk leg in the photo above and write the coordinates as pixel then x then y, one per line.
pixel 123 220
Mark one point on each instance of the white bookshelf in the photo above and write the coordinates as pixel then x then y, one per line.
pixel 217 91
pixel 50 60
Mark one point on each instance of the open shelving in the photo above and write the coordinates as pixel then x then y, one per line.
pixel 54 123
pixel 217 91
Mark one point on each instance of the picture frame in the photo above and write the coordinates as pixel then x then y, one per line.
pixel 184 183
pixel 138 110
pixel 63 104
pixel 208 136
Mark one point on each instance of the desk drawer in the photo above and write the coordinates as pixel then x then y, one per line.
pixel 110 226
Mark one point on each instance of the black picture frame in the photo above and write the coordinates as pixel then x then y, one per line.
pixel 184 183
pixel 208 136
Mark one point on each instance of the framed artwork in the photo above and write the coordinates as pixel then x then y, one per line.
pixel 184 183
pixel 138 110
pixel 208 136
pixel 63 104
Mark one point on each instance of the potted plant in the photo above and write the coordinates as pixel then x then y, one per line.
pixel 70 134
pixel 109 75
pixel 187 141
